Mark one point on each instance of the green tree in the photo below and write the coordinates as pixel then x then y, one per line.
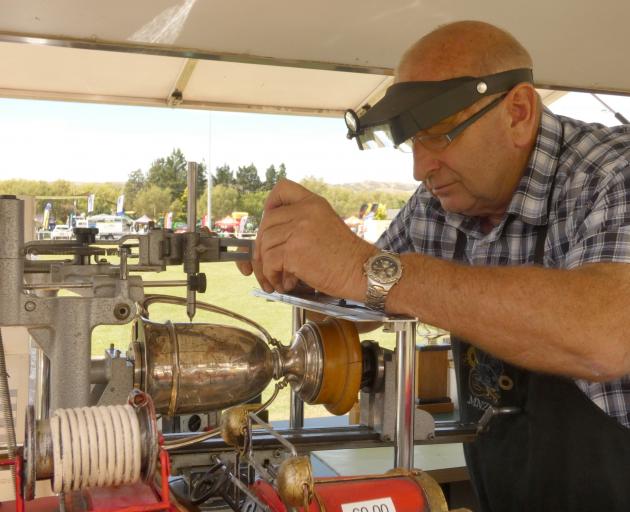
pixel 315 185
pixel 179 207
pixel 346 201
pixel 202 178
pixel 224 176
pixel 135 183
pixel 202 204
pixel 169 173
pixel 282 173
pixel 172 173
pixel 271 177
pixel 253 203
pixel 247 179
pixel 153 201
pixel 224 201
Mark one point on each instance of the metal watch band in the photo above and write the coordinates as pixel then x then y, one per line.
pixel 380 285
pixel 375 298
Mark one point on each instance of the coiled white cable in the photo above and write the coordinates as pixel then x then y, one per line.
pixel 95 446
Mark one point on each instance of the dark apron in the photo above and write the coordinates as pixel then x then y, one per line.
pixel 559 453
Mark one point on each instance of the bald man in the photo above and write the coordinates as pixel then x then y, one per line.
pixel 517 241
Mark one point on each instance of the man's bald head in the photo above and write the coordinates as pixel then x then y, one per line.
pixel 462 48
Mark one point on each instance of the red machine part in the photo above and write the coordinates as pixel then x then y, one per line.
pixel 18 464
pixel 399 492
pixel 139 497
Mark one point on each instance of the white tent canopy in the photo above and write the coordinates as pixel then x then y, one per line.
pixel 297 57
pixel 145 219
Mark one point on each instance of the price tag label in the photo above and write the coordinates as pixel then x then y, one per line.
pixel 378 505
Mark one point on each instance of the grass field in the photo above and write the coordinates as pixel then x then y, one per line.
pixel 227 288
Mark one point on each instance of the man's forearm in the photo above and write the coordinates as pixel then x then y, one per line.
pixel 570 322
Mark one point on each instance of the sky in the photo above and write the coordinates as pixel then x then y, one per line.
pixel 48 140
pixel 88 142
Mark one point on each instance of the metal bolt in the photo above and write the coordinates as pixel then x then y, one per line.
pixel 30 306
pixel 121 311
pixel 482 87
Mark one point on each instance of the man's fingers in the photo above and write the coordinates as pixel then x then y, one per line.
pixel 270 238
pixel 286 192
pixel 262 281
pixel 273 267
pixel 245 267
pixel 279 220
pixel 289 281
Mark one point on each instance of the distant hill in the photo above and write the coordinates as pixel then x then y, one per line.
pixel 381 186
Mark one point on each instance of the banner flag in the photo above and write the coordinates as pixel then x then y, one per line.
pixel 90 206
pixel 46 219
pixel 120 204
pixel 242 224
pixel 168 220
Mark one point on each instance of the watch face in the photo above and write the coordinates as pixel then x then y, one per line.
pixel 385 269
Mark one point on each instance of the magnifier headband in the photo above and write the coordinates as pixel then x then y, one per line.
pixel 409 107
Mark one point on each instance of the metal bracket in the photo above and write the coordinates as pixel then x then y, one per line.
pixel 492 412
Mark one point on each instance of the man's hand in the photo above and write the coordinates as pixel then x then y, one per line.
pixel 302 238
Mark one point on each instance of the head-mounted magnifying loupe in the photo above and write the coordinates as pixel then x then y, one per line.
pixel 409 107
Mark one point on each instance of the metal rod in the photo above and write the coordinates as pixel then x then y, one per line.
pixel 70 383
pixel 296 411
pixel 147 284
pixel 405 395
pixel 164 284
pixel 39 380
pixel 254 417
pixel 190 53
pixel 11 259
pixel 191 294
pixel 124 272
pixel 98 371
pixel 243 488
pixel 56 286
pixel 618 115
pixel 192 196
pixel 170 299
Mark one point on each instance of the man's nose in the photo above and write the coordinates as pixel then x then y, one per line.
pixel 424 162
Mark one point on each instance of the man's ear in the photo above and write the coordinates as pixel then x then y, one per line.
pixel 522 110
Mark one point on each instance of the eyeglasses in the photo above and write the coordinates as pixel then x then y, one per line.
pixel 438 142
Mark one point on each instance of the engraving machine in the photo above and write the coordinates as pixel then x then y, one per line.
pixel 96 438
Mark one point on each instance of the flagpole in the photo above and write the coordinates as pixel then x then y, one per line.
pixel 209 205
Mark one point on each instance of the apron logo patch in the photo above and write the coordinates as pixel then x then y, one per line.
pixel 486 379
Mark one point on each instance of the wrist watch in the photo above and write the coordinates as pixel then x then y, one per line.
pixel 383 271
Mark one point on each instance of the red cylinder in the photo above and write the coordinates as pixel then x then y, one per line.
pixel 408 492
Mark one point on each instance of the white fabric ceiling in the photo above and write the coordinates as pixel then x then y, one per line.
pixel 48 72
pixel 282 56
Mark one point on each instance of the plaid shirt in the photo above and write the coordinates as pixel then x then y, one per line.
pixel 588 218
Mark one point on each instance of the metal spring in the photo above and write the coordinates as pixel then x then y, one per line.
pixel 95 447
pixel 5 406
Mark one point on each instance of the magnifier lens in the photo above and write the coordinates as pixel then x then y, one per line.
pixel 384 137
pixel 371 144
pixel 406 147
pixel 352 121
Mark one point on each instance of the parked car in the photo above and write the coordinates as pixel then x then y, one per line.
pixel 110 227
pixel 62 232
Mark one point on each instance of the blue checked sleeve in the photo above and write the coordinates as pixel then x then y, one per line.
pixel 602 224
pixel 397 237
